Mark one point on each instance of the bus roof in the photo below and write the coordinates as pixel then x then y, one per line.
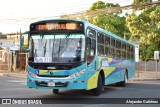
pixel 87 24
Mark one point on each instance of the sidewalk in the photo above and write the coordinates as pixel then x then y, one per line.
pixel 142 75
pixel 14 74
pixel 146 75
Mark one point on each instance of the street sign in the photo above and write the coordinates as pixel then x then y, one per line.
pixel 6 43
pixel 137 53
pixel 156 55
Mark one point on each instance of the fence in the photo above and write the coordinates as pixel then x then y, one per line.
pixel 21 61
pixel 13 61
pixel 149 66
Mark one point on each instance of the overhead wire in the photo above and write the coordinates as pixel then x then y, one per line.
pixel 99 11
pixel 68 9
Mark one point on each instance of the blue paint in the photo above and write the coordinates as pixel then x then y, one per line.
pixel 37 71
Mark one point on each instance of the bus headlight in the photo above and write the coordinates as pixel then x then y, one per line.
pixel 32 75
pixel 76 74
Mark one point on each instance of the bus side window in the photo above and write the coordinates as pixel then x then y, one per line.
pixel 91 33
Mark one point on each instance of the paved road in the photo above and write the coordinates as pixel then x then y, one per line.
pixel 16 88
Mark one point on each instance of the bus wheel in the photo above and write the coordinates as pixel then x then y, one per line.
pixel 55 91
pixel 123 83
pixel 97 91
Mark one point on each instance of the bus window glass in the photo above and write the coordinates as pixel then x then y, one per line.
pixel 124 47
pixel 128 48
pixel 91 49
pixel 91 33
pixel 118 53
pixel 100 50
pixel 107 50
pixel 124 54
pixel 100 38
pixel 118 44
pixel 113 42
pixel 112 50
pixel 57 48
pixel 107 40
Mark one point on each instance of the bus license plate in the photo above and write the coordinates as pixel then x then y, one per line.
pixel 51 84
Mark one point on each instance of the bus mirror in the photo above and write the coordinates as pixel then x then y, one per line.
pixel 24 42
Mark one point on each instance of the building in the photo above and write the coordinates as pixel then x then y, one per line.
pixel 14 59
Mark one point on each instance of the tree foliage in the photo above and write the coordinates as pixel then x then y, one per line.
pixel 141 1
pixel 112 22
pixel 146 25
pixel 136 2
pixel 98 5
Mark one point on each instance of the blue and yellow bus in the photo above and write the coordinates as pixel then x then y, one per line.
pixel 72 54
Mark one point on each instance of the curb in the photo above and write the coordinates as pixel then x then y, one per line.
pixel 144 79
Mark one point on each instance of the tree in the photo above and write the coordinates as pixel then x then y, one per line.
pixel 112 22
pixel 135 2
pixel 146 25
pixel 140 1
pixel 98 5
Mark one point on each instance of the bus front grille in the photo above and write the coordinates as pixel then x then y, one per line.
pixel 58 84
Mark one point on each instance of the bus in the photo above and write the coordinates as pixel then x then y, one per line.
pixel 69 54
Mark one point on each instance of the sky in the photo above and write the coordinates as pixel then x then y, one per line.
pixel 18 14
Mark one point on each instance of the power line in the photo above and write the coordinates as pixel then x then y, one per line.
pixel 82 7
pixel 115 9
pixel 99 11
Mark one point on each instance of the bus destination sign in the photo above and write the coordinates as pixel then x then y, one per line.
pixel 59 26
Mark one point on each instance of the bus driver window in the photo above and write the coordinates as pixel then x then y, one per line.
pixel 78 50
pixel 90 50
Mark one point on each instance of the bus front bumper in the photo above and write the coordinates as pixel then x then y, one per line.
pixel 49 83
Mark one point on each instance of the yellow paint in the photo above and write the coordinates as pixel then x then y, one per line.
pixel 109 60
pixel 92 81
pixel 108 70
pixel 45 71
pixel 99 62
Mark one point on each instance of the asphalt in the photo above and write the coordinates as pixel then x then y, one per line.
pixel 140 76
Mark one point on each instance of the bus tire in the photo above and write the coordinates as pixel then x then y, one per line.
pixel 55 91
pixel 97 91
pixel 123 83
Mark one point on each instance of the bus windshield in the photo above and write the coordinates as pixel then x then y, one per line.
pixel 57 48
